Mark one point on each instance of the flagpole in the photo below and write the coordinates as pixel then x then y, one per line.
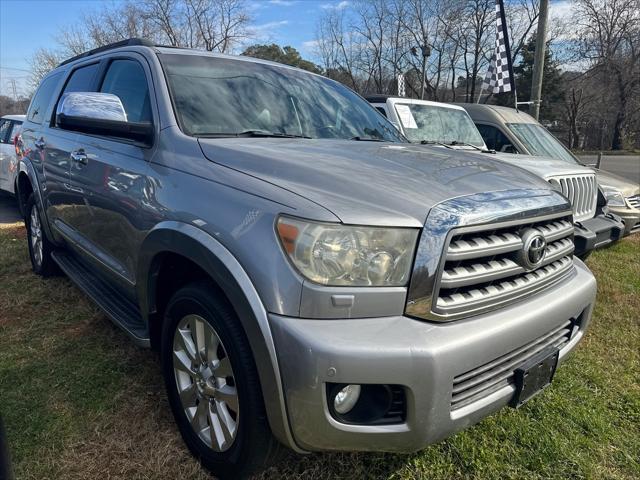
pixel 480 94
pixel 507 47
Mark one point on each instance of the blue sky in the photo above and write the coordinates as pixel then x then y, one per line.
pixel 26 25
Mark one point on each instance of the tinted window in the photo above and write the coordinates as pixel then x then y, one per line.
pixel 5 129
pixel 81 79
pixel 495 139
pixel 215 96
pixel 382 111
pixel 126 79
pixel 42 98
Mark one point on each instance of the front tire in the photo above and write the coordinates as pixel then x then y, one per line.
pixel 40 248
pixel 212 384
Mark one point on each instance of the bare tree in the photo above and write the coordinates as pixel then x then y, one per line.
pixel 219 25
pixel 609 38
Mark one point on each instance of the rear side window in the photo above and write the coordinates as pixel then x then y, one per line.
pixel 127 80
pixel 14 131
pixel 5 130
pixel 81 79
pixel 382 111
pixel 42 98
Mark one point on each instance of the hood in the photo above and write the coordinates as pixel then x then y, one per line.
pixel 627 188
pixel 544 167
pixel 368 182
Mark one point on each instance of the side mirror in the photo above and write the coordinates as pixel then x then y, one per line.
pixel 100 114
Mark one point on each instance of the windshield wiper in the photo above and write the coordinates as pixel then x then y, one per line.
pixel 265 133
pixel 434 142
pixel 367 139
pixel 465 144
pixel 252 133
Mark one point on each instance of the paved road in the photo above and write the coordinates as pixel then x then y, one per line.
pixel 627 166
pixel 8 209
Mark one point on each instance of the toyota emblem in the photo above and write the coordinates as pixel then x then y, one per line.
pixel 534 249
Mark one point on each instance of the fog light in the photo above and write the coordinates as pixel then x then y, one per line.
pixel 346 399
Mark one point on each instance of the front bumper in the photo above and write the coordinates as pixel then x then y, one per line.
pixel 630 217
pixel 420 356
pixel 597 232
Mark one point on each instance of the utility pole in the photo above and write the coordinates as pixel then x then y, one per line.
pixel 425 50
pixel 538 61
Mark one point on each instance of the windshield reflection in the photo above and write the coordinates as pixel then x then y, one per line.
pixel 540 142
pixel 216 96
pixel 437 124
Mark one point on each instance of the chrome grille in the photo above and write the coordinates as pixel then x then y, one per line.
pixel 495 375
pixel 634 201
pixel 582 192
pixel 482 269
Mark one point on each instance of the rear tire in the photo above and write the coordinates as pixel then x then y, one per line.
pixel 212 384
pixel 40 247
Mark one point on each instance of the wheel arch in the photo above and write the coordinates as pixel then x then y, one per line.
pixel 172 239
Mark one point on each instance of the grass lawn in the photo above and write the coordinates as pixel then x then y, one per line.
pixel 80 401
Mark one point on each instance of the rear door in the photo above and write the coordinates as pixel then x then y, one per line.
pixel 35 149
pixel 111 177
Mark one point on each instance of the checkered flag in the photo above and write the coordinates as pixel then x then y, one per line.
pixel 499 77
pixel 401 86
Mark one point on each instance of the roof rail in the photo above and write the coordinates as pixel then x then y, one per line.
pixel 124 43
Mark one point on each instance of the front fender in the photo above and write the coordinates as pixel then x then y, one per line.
pixel 204 250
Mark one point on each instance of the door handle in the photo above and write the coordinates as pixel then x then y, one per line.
pixel 80 157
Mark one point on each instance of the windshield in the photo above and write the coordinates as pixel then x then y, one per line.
pixel 437 124
pixel 540 142
pixel 217 96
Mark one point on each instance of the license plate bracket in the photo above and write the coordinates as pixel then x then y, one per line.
pixel 534 375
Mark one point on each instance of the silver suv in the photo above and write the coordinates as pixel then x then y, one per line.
pixel 308 277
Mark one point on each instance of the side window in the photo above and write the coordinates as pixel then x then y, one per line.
pixel 495 139
pixel 16 128
pixel 42 98
pixel 81 79
pixel 382 111
pixel 127 80
pixel 5 129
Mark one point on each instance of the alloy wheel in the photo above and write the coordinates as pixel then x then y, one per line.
pixel 205 382
pixel 35 230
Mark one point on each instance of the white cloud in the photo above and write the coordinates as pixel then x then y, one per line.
pixel 283 3
pixel 335 6
pixel 309 47
pixel 561 10
pixel 266 31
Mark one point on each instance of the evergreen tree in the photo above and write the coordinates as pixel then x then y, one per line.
pixel 552 85
pixel 287 55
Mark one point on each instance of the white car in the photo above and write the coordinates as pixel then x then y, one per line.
pixel 10 126
pixel 450 126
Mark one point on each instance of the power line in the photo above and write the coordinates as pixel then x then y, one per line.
pixel 15 68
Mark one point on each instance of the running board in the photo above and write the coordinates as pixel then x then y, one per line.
pixel 122 311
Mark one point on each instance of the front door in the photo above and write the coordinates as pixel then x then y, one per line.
pixel 109 175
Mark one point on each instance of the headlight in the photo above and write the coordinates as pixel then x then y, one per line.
pixel 334 254
pixel 614 197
